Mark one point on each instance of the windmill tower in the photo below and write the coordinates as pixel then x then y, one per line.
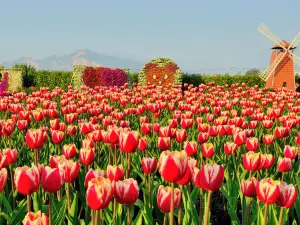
pixel 281 70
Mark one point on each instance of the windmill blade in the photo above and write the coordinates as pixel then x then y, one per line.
pixel 265 75
pixel 295 41
pixel 265 30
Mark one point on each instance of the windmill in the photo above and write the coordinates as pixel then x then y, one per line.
pixel 281 70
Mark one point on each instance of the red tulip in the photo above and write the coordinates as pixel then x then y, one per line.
pixel 203 137
pixel 268 190
pixel 3 161
pixel 210 177
pixel 208 150
pixel 115 173
pixel 239 138
pixel 35 139
pixel 99 193
pixel 27 180
pixel 172 165
pixel 164 198
pixel 192 163
pixel 38 218
pixel 284 164
pixel 143 144
pixel 191 148
pixel 156 127
pixel 146 128
pixel 8 127
pixel 129 141
pixel 186 123
pixel 3 179
pixel 54 124
pixel 181 135
pixel 87 156
pixel 38 115
pixel 72 130
pixel 87 143
pixel 69 151
pixel 85 128
pixel 288 195
pixel 251 161
pixel 127 191
pixel 91 174
pixel 55 160
pixel 290 152
pixel 269 160
pixel 248 187
pixel 297 139
pixel 230 148
pixel 71 170
pixel 268 139
pixel 57 136
pixel 11 155
pixel 149 165
pixel 52 179
pixel 164 143
pixel 165 131
pixel 252 144
pixel 22 124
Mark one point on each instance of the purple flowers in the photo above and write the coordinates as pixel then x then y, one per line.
pixel 4 84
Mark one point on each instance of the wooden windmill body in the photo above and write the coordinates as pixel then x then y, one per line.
pixel 281 72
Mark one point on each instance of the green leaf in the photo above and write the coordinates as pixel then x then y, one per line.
pixel 139 219
pixel 74 210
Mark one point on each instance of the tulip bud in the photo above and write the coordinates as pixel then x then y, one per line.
pixel 181 135
pixel 252 144
pixel 269 160
pixel 27 180
pixel 22 124
pixel 57 136
pixel 11 155
pixel 251 161
pixel 149 165
pixel 156 127
pixel 191 148
pixel 203 137
pixel 239 138
pixel 3 179
pixel 143 144
pixel 72 130
pixel 52 179
pixel 297 139
pixel 146 128
pixel 192 163
pixel 290 152
pixel 35 139
pixel 268 190
pixel 164 198
pixel 127 191
pixel 115 173
pixel 284 164
pixel 129 141
pixel 71 170
pixel 38 218
pixel 91 174
pixel 164 143
pixel 230 148
pixel 99 193
pixel 288 195
pixel 210 177
pixel 208 150
pixel 268 139
pixel 172 165
pixel 69 151
pixel 86 156
pixel 248 187
pixel 87 143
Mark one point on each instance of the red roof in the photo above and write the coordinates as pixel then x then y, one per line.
pixel 285 44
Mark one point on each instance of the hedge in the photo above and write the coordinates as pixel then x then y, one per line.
pixel 197 79
pixel 52 79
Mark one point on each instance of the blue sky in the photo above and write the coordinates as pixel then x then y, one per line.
pixel 201 36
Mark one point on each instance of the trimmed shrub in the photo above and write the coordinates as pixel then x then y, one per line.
pixel 52 79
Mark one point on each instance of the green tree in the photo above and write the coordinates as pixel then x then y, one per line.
pixel 253 71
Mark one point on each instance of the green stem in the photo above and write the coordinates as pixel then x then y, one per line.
pixel 200 207
pixel 50 209
pixel 149 190
pixel 207 209
pixel 280 216
pixel 172 205
pixel 248 211
pixel 28 204
pixel 266 215
pixel 165 219
pixel 128 215
pixel 180 208
pixel 68 196
pixel 12 184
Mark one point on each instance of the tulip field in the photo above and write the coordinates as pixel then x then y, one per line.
pixel 150 155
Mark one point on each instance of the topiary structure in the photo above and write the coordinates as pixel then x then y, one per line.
pixel 160 72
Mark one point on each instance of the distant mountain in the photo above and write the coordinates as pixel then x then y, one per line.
pixel 82 57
